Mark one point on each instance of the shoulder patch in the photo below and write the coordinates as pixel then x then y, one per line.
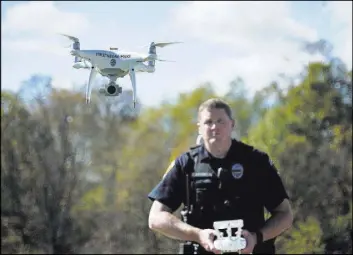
pixel 237 170
pixel 171 165
pixel 271 162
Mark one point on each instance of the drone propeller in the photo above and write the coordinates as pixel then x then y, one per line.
pixel 72 38
pixel 160 44
pixel 164 60
pixel 157 59
pixel 152 55
pixel 163 44
pixel 75 45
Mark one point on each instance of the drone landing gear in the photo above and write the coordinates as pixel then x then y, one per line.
pixel 89 84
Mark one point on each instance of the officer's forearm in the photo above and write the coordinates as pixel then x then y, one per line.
pixel 276 225
pixel 171 226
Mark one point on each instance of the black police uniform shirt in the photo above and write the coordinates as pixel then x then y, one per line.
pixel 258 183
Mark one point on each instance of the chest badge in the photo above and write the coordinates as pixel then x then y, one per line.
pixel 237 171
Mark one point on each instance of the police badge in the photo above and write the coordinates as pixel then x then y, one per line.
pixel 237 171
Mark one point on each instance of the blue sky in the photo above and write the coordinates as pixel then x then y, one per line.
pixel 222 40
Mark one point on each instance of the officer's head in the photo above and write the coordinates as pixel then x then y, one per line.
pixel 215 121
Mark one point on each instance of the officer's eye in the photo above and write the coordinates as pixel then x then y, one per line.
pixel 208 122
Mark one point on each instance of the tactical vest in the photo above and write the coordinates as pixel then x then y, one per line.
pixel 210 195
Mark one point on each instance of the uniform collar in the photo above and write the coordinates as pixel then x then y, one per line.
pixel 205 155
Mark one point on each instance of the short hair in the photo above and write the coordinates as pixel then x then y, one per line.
pixel 215 103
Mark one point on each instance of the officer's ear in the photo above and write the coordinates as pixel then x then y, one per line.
pixel 198 127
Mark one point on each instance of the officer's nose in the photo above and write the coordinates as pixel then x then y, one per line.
pixel 213 126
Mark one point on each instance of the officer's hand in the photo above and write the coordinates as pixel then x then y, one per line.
pixel 250 242
pixel 206 239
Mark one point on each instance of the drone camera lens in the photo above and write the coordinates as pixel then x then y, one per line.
pixel 111 89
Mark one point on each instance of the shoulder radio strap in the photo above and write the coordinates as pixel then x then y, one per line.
pixel 193 155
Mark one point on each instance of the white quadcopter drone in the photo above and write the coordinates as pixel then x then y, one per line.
pixel 229 243
pixel 114 64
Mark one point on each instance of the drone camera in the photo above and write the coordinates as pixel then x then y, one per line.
pixel 111 90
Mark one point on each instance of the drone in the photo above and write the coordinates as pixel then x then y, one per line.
pixel 114 64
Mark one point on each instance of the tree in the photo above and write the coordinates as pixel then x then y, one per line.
pixel 307 136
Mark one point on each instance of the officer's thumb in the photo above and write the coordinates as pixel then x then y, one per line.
pixel 213 235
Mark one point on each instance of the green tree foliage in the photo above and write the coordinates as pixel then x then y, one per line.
pixel 305 238
pixel 309 138
pixel 75 177
pixel 39 181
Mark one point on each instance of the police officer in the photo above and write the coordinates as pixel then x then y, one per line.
pixel 220 179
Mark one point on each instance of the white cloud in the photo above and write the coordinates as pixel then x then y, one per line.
pixel 33 28
pixel 341 17
pixel 41 18
pixel 243 25
pixel 341 10
pixel 32 45
pixel 253 70
pixel 261 39
pixel 222 40
pixel 96 25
